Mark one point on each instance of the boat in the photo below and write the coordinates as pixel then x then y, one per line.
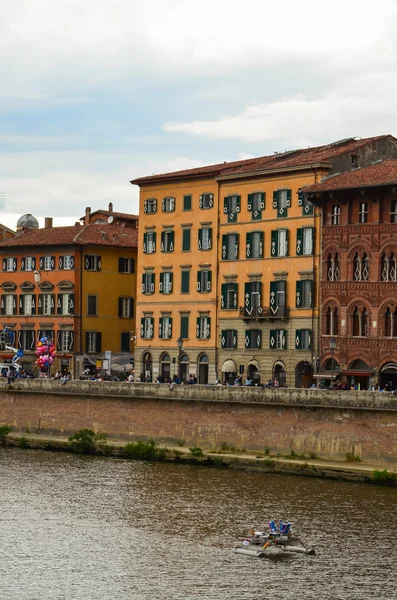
pixel 278 539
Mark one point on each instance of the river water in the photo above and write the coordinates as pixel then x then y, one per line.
pixel 82 528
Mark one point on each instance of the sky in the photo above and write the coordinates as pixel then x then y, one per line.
pixel 95 93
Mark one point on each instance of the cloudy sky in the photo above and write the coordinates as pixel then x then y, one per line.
pixel 96 92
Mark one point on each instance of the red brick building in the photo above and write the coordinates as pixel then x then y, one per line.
pixel 358 281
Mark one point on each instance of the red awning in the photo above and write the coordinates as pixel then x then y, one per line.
pixel 357 373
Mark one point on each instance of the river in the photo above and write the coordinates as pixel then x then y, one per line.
pixel 82 528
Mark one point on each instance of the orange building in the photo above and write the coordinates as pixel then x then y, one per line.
pixel 75 285
pixel 229 273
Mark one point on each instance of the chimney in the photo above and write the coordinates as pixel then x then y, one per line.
pixel 48 223
pixel 87 215
pixel 110 207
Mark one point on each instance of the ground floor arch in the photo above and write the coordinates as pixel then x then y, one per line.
pixel 279 373
pixel 229 371
pixel 184 367
pixel 253 373
pixel 147 368
pixel 303 374
pixel 165 367
pixel 203 364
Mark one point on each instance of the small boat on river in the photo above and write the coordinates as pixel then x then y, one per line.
pixel 278 539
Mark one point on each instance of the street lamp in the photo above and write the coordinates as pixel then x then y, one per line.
pixel 179 341
pixel 332 345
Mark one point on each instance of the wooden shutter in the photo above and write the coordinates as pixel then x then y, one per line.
pixel 223 337
pixel 272 339
pixel 14 304
pixel 249 205
pixel 300 198
pixel 21 304
pixel 144 243
pixel 59 304
pixel 161 284
pixel 19 339
pixel 275 200
pixel 287 242
pixel 200 239
pixel 225 246
pixel 298 339
pixel 131 307
pixel 298 294
pixel 152 283
pixel 209 281
pixel 163 205
pixel 185 240
pixel 23 264
pixel 299 241
pixel 120 307
pixel 208 329
pixel 288 198
pixel 199 281
pixel 98 341
pixel 40 304
pixel 274 244
pixel 121 264
pixel 41 263
pixel 162 247
pixel 61 262
pixel 235 295
pixel 273 296
pixel 234 339
pixel 145 204
pixel 53 301
pixel 284 340
pixel 59 343
pixel 33 263
pixel 33 304
pixel 171 239
pixel 248 296
pixel 223 296
pixel 237 246
pixel 261 243
pixel 248 245
pixel 142 327
pixel 71 303
pixel 209 238
pixel 161 327
pixel 71 340
pixel 198 327
pixel 226 205
pixel 2 305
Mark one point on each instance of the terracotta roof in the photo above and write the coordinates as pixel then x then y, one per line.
pixel 380 173
pixel 293 158
pixel 117 215
pixel 93 234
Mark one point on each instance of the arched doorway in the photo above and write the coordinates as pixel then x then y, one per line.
pixel 253 373
pixel 165 367
pixel 184 366
pixel 388 376
pixel 203 369
pixel 279 373
pixel 358 375
pixel 303 374
pixel 147 368
pixel 229 372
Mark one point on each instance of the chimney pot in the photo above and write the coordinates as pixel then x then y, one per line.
pixel 48 223
pixel 110 207
pixel 87 215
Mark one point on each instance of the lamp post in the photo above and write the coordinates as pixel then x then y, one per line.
pixel 332 345
pixel 179 341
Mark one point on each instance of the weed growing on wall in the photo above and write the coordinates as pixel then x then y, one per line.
pixel 86 441
pixel 144 450
pixel 4 430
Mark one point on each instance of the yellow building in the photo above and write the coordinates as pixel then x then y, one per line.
pixel 229 264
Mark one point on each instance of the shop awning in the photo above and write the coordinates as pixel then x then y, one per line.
pixel 325 375
pixel 356 373
pixel 229 366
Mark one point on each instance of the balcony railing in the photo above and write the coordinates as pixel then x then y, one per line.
pixel 264 312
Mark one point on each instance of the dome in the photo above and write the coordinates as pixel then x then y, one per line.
pixel 28 221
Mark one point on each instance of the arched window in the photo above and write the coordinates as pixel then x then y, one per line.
pixel 335 322
pixel 388 271
pixel 390 323
pixel 360 323
pixel 332 323
pixel 333 271
pixel 360 267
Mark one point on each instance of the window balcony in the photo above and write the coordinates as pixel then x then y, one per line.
pixel 265 313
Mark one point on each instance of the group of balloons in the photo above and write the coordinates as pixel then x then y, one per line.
pixel 45 352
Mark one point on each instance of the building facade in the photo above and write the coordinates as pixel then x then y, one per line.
pixel 75 285
pixel 358 284
pixel 230 269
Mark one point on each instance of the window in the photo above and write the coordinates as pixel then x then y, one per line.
pixel 187 202
pixel 333 271
pixel 48 304
pixel 186 239
pixel 147 328
pixel 304 293
pixel 168 204
pixel 230 246
pixel 48 333
pixel 229 338
pixel 231 207
pixel 8 304
pixel 93 341
pixel 253 299
pixel 66 262
pixel 126 265
pixel 204 281
pixel 388 267
pixel 206 201
pixel 360 267
pixel 256 203
pixel 363 213
pixel 126 308
pixel 332 322
pixel 360 323
pixel 185 327
pixel 167 241
pixel 28 263
pixel 165 286
pixel 282 201
pixel 304 202
pixel 65 340
pixel 354 161
pixel 390 323
pixel 205 238
pixel 278 339
pixel 148 283
pixel 254 244
pixel 253 338
pixel 165 328
pixel 229 296
pixel 203 328
pixel 125 341
pixel 150 206
pixel 185 282
pixel 393 211
pixel 279 242
pixel 9 264
pixel 278 297
pixel 65 304
pixel 305 241
pixel 48 263
pixel 149 242
pixel 303 339
pixel 92 305
pixel 92 262
pixel 335 215
pixel 27 304
pixel 26 339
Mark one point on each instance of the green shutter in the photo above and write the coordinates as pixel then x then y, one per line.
pixel 185 240
pixel 209 281
pixel 184 327
pixel 275 200
pixel 198 327
pixel 145 243
pixel 172 239
pixel 187 202
pixel 284 340
pixel 169 333
pixel 234 339
pixel 261 243
pixel 287 242
pixel 298 294
pixel 311 294
pixel 249 205
pixel 300 199
pixel 225 246
pixel 263 200
pixel 185 287
pixel 223 296
pixel 313 240
pixel 299 241
pixel 238 204
pixel 161 286
pixel 200 239
pixel 273 296
pixel 274 244
pixel 247 295
pixel 208 332
pixel 298 339
pixel 223 337
pixel 272 339
pixel 237 247
pixel 162 247
pixel 235 296
pixel 210 237
pixel 288 199
pixel 199 281
pixel 248 245
pixel 226 205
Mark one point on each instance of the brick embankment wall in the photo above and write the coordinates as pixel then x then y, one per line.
pixel 327 424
